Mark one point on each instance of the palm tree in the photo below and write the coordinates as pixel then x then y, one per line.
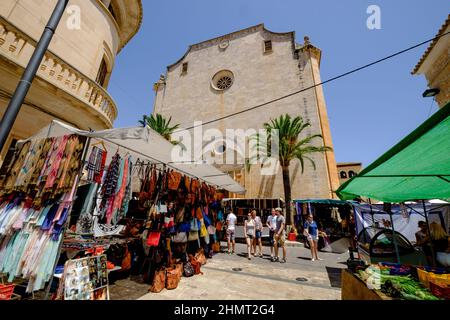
pixel 160 124
pixel 290 147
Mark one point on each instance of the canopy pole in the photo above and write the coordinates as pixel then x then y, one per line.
pixel 394 238
pixel 433 259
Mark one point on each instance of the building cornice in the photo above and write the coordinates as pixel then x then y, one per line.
pixel 432 45
pixel 230 36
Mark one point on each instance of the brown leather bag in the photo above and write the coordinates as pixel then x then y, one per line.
pixel 195 264
pixel 159 281
pixel 200 257
pixel 173 277
pixel 174 180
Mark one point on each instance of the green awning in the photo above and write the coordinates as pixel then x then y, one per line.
pixel 417 168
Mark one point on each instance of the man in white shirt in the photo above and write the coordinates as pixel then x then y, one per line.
pixel 272 225
pixel 231 228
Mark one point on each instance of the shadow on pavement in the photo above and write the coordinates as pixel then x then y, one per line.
pixel 334 275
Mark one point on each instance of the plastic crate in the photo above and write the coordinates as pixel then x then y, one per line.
pixel 440 291
pixel 6 291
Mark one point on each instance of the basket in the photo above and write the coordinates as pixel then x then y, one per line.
pixel 440 291
pixel 423 277
pixel 6 291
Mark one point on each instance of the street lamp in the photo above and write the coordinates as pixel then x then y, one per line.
pixel 430 92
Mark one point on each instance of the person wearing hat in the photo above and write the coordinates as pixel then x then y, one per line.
pixel 280 235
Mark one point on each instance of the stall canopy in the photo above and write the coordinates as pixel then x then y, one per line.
pixel 149 144
pixel 417 168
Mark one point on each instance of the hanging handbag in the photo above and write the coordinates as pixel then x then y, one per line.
pixel 184 227
pixel 153 238
pixel 180 237
pixel 199 214
pixel 195 225
pixel 174 179
pixel 179 217
pixel 211 230
pixel 220 215
pixel 193 236
pixel 203 231
pixel 159 281
pixel 207 220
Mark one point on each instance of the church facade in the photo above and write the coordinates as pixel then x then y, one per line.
pixel 243 69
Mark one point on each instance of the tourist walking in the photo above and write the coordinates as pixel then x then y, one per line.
pixel 231 229
pixel 271 223
pixel 312 235
pixel 257 242
pixel 280 236
pixel 249 231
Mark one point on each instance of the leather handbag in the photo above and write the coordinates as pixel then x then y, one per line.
pixel 188 269
pixel 179 217
pixel 216 247
pixel 174 179
pixel 159 281
pixel 184 227
pixel 172 278
pixel 195 264
pixel 199 214
pixel 200 257
pixel 153 238
pixel 180 237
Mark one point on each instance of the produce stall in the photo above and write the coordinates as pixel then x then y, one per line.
pixel 388 281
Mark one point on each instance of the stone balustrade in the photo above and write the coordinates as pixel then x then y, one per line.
pixel 17 46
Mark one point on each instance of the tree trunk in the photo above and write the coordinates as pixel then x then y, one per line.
pixel 287 195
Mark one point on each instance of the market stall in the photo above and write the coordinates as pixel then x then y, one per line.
pixel 416 169
pixel 333 218
pixel 71 194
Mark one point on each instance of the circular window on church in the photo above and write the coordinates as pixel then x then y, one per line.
pixel 222 80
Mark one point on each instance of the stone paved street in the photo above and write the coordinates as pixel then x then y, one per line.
pixel 261 279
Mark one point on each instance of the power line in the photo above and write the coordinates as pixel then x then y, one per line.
pixel 318 84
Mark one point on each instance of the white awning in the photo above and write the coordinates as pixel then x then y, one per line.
pixel 147 143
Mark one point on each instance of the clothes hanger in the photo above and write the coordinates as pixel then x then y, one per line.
pixel 100 143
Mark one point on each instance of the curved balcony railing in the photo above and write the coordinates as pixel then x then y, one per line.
pixel 17 46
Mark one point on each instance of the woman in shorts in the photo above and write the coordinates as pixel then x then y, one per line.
pixel 312 235
pixel 249 231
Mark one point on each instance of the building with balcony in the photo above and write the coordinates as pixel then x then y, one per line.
pixel 72 80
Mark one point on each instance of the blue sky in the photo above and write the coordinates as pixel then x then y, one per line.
pixel 369 111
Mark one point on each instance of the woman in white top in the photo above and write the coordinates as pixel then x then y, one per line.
pixel 249 231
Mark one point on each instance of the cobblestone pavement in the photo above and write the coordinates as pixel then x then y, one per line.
pixel 235 277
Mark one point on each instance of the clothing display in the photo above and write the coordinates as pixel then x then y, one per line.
pixel 54 207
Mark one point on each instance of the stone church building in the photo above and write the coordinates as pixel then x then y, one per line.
pixel 243 69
